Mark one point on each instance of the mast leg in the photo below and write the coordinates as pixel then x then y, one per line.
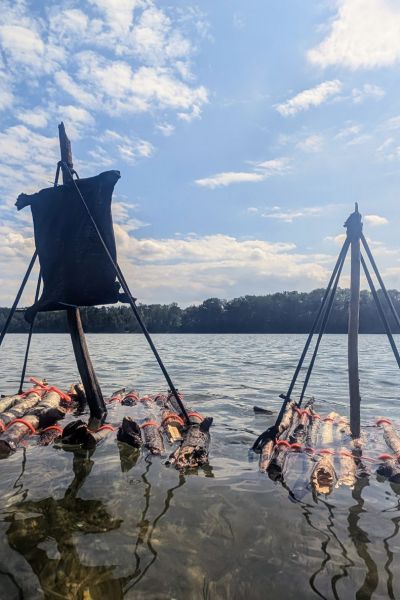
pixel 85 367
pixel 89 380
pixel 354 229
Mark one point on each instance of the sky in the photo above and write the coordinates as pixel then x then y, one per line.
pixel 244 131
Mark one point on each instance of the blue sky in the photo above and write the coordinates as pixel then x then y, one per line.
pixel 244 133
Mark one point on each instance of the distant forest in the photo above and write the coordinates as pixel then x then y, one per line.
pixel 286 312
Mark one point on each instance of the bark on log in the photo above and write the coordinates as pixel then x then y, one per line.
pixel 21 407
pixel 129 433
pixel 77 433
pixel 347 469
pixel 172 425
pixel 323 476
pixel 327 429
pixel 313 433
pixel 8 401
pixel 287 418
pixel 152 437
pixel 390 436
pixel 300 433
pixel 266 455
pixel 45 413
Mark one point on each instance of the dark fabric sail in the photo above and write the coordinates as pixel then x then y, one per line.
pixel 75 268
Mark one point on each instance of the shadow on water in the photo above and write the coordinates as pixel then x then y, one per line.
pixel 63 575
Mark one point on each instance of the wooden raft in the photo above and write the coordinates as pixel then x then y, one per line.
pixel 316 453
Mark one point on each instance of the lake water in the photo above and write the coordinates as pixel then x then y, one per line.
pixel 102 526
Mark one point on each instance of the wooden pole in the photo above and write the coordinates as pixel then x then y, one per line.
pixel 89 380
pixel 354 230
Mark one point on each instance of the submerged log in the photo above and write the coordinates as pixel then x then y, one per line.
pixel 21 408
pixel 390 435
pixel 193 452
pixel 327 428
pixel 45 413
pixel 313 432
pixel 129 433
pixel 323 475
pixel 300 432
pixel 266 455
pixel 78 433
pixel 153 440
pixel 9 401
pixel 389 468
pixel 130 399
pixel 287 418
pixel 161 400
pixel 347 469
pixel 277 461
pixel 343 427
pixel 172 425
pixel 49 434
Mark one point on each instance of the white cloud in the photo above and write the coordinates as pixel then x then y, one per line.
pixel 311 97
pixel 166 129
pixel 192 268
pixel 28 159
pixel 129 148
pixel 350 131
pixel 368 90
pixel 288 216
pixel 363 34
pixel 113 86
pixel 262 170
pixel 375 220
pixel 312 143
pixel 37 117
pixel 229 177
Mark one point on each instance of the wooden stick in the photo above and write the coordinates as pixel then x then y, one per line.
pixel 89 380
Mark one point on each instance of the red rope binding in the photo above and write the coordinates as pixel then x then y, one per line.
pixel 172 417
pixel 196 414
pixel 52 428
pixel 26 423
pixel 380 421
pixel 148 423
pixel 103 427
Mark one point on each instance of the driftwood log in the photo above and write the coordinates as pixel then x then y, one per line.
pixel 152 437
pixel 7 402
pixel 266 455
pixel 46 412
pixel 193 451
pixel 287 418
pixel 327 428
pixel 129 433
pixel 21 407
pixel 323 475
pixel 389 468
pixel 348 468
pixel 313 432
pixel 390 435
pixel 77 433
pixel 172 425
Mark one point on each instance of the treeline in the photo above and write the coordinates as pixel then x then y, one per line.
pixel 286 312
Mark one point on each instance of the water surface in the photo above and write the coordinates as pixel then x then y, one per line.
pixel 107 525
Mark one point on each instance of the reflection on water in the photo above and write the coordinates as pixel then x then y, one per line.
pixel 119 524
